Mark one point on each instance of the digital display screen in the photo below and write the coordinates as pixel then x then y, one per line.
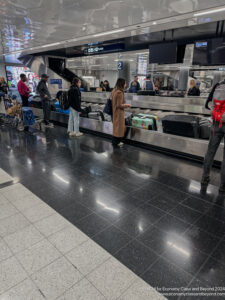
pixel 12 59
pixel 210 52
pixel 13 77
pixel 163 53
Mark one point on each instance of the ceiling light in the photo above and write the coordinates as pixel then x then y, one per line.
pixel 212 11
pixel 109 32
pixel 154 23
pixel 50 45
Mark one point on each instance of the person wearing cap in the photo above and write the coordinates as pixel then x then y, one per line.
pixel 42 90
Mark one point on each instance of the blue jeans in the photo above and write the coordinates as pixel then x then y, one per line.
pixel 73 125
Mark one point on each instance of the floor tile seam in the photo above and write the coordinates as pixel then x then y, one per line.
pixel 28 276
pixel 178 190
pixel 193 223
pixel 217 247
pixel 208 233
pixel 22 211
pixel 185 205
pixel 27 248
pixel 12 287
pixel 200 269
pixel 11 215
pixel 124 266
pixel 169 262
pixel 30 223
pixel 89 214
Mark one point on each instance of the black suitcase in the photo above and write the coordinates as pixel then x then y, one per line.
pixel 98 115
pixel 85 110
pixel 182 125
pixel 146 93
pixel 128 118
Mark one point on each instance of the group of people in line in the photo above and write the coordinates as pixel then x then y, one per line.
pixel 119 106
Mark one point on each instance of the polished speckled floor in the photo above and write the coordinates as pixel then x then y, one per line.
pixel 144 208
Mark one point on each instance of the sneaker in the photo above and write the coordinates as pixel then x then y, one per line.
pixel 79 134
pixel 120 144
pixel 51 125
pixel 72 134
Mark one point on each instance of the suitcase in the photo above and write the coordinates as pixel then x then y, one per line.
pixel 85 110
pixel 98 115
pixel 181 125
pixel 143 121
pixel 128 118
pixel 205 128
pixel 146 93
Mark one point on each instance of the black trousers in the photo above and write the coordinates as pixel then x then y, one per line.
pixel 46 105
pixel 116 140
pixel 24 101
pixel 217 134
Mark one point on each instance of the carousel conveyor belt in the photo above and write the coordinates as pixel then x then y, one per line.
pixel 191 148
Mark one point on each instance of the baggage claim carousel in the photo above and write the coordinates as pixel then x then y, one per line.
pixel 154 140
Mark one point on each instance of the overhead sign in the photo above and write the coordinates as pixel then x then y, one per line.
pixel 56 81
pixel 120 65
pixel 104 49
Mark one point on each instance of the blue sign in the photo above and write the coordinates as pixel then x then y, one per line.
pixel 56 81
pixel 120 65
pixel 201 44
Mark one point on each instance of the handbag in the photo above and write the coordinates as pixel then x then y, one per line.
pixel 108 107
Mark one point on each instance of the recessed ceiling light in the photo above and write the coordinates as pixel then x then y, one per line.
pixel 154 23
pixel 212 11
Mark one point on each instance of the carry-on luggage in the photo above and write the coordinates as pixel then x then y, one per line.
pixel 145 122
pixel 146 93
pixel 28 116
pixel 181 125
pixel 98 115
pixel 205 128
pixel 128 118
pixel 85 110
pixel 108 107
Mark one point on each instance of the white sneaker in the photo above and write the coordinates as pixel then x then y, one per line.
pixel 72 134
pixel 51 125
pixel 79 134
pixel 120 144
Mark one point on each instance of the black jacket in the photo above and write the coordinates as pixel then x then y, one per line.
pixel 194 91
pixel 74 96
pixel 211 96
pixel 42 90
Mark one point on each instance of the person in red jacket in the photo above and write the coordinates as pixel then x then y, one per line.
pixel 23 89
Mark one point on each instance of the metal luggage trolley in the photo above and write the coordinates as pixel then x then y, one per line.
pixel 23 117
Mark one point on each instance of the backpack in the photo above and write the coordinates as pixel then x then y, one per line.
pixel 108 107
pixel 64 102
pixel 28 116
pixel 219 103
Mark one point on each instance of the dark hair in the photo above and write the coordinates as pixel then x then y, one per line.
pixel 75 80
pixel 22 76
pixel 120 84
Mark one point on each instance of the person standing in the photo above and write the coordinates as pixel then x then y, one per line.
pixel 74 96
pixel 23 90
pixel 217 96
pixel 135 85
pixel 44 93
pixel 193 90
pixel 118 106
pixel 148 84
